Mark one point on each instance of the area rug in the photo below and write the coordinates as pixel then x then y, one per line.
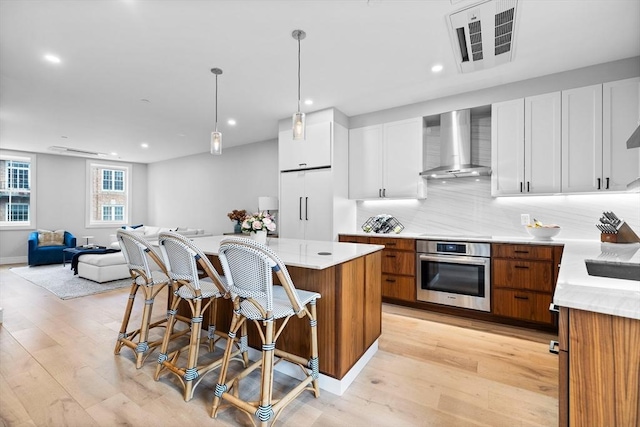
pixel 61 282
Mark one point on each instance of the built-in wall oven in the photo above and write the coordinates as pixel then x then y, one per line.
pixel 454 273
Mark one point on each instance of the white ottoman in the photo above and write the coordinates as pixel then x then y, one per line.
pixel 103 267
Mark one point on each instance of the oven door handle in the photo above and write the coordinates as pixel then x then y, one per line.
pixel 455 260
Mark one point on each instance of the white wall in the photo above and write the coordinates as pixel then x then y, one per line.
pixel 61 201
pixel 198 191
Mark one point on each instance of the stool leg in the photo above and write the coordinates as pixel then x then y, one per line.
pixel 171 320
pixel 143 342
pixel 313 322
pixel 265 412
pixel 125 320
pixel 221 385
pixel 191 372
pixel 211 336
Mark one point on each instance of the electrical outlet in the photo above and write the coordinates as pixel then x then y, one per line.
pixel 525 219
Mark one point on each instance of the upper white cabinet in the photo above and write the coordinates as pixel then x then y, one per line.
pixel 582 139
pixel 385 160
pixel 526 145
pixel 313 152
pixel 620 117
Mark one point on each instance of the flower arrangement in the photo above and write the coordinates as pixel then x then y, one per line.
pixel 259 221
pixel 237 215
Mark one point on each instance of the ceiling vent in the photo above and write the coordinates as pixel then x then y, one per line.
pixel 483 34
pixel 75 151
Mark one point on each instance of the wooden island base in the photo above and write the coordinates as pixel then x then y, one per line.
pixel 349 319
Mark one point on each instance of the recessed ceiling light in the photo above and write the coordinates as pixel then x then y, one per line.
pixel 144 145
pixel 52 58
pixel 113 153
pixel 232 122
pixel 436 68
pixel 308 101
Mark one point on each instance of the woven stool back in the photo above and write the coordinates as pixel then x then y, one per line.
pixel 136 251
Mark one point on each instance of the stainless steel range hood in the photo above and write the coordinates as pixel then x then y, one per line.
pixel 455 148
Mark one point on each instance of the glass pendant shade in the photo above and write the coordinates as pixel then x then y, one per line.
pixel 299 126
pixel 216 143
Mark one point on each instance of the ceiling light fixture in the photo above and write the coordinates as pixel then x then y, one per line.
pixel 298 117
pixel 216 137
pixel 436 68
pixel 308 102
pixel 231 122
pixel 52 58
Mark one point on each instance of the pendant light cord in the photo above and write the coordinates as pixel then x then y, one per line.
pixel 216 103
pixel 298 73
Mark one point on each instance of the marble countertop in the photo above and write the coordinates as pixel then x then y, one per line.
pixel 313 254
pixel 462 238
pixel 577 289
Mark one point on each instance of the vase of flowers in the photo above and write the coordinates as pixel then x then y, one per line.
pixel 258 225
pixel 238 216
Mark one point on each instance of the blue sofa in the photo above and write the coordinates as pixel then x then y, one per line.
pixel 39 255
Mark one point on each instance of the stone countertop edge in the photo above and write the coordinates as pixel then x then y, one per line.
pixel 490 239
pixel 313 254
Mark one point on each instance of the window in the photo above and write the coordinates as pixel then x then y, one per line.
pixel 17 197
pixel 108 188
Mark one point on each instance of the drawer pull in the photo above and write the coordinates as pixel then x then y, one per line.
pixel 391 280
pixel 391 256
pixel 521 252
pixel 552 347
pixel 390 244
pixel 521 266
pixel 521 297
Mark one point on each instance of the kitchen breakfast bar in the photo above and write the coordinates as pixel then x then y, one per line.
pixel 348 277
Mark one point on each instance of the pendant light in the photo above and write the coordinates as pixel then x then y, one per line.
pixel 216 137
pixel 298 117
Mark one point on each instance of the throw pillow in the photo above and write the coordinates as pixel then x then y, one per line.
pixel 50 238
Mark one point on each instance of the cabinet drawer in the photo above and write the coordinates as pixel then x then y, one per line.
pixel 522 305
pixel 353 239
pixel 398 287
pixel 395 244
pixel 531 275
pixel 522 251
pixel 397 262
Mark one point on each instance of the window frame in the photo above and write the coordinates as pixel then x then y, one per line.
pixel 30 158
pixel 92 199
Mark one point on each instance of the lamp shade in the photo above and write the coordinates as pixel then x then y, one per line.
pixel 267 203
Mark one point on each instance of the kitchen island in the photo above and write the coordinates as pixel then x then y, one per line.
pixel 599 338
pixel 347 275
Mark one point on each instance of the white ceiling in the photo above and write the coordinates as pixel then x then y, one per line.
pixel 359 56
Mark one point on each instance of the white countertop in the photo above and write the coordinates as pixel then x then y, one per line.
pixel 461 238
pixel 302 253
pixel 577 289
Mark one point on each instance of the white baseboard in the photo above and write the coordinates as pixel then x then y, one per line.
pixel 14 260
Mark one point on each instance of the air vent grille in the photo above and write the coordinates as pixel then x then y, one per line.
pixel 475 37
pixel 504 31
pixel 75 151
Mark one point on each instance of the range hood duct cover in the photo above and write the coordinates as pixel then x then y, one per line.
pixel 455 148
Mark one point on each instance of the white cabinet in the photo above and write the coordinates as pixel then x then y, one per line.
pixel 306 204
pixel 313 152
pixel 385 160
pixel 620 117
pixel 582 139
pixel 526 145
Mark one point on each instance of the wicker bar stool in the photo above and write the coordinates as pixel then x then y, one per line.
pixel 149 278
pixel 249 268
pixel 186 266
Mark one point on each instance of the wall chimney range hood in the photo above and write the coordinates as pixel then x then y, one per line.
pixel 455 149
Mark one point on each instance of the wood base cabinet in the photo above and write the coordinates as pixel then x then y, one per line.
pixel 523 281
pixel 599 369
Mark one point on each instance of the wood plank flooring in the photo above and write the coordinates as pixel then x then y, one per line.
pixel 57 368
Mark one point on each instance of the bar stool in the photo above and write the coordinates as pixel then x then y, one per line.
pixel 186 265
pixel 248 268
pixel 138 253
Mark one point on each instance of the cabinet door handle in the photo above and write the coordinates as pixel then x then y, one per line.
pixel 607 187
pixel 599 183
pixel 384 192
pixel 306 209
pixel 521 186
pixel 522 266
pixel 528 186
pixel 302 164
pixel 521 297
pixel 300 208
pixel 379 192
pixel 552 347
pixel 390 280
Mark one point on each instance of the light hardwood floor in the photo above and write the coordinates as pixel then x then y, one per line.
pixel 57 368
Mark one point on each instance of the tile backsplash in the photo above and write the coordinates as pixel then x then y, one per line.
pixel 465 206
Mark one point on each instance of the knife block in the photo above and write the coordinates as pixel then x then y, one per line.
pixel 624 235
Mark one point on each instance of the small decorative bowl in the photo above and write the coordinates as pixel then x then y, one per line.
pixel 543 233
